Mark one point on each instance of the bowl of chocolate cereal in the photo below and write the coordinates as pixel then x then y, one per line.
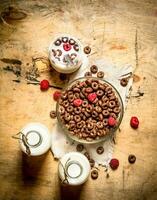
pixel 89 110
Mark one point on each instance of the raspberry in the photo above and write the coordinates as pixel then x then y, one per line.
pixel 111 121
pixel 92 97
pixel 56 95
pixel 44 85
pixel 77 102
pixel 114 163
pixel 67 47
pixel 134 122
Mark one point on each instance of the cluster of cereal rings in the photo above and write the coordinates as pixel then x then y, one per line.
pixel 89 120
pixel 67 40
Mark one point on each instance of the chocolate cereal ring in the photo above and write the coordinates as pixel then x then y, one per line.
pixel 71 98
pixel 89 108
pixel 102 87
pixel 88 74
pixel 92 162
pixel 100 93
pixel 58 42
pixel 100 102
pixel 98 109
pixel 100 125
pixel 87 50
pixel 65 39
pixel 132 159
pixel 94 69
pixel 87 114
pixel 94 114
pixel 116 110
pixel 62 110
pixel 58 52
pixel 89 90
pixel 76 95
pixel 80 135
pixel 124 82
pixel 113 115
pixel 105 113
pixel 54 52
pixel 94 174
pixel 79 125
pixel 77 118
pixel 90 125
pixel 100 74
pixel 70 109
pixel 76 47
pixel 67 117
pixel 71 41
pixel 53 114
pixel 93 133
pixel 84 103
pixel 80 147
pixel 65 103
pixel 77 110
pixel 105 104
pixel 104 98
pixel 108 90
pixel 112 104
pixel 76 89
pixel 100 133
pixel 82 96
pixel 101 117
pixel 100 150
pixel 95 85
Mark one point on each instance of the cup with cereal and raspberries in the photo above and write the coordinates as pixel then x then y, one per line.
pixel 90 110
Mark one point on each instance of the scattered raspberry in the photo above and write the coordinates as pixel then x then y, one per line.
pixel 114 163
pixel 134 122
pixel 77 102
pixel 44 85
pixel 56 95
pixel 111 121
pixel 92 97
pixel 67 47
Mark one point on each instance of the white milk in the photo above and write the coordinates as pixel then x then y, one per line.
pixel 74 168
pixel 35 139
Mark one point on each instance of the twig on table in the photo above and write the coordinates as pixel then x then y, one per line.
pixel 136 48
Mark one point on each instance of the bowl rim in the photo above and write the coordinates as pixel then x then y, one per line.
pixel 101 139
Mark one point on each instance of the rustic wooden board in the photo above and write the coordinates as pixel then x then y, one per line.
pixel 123 31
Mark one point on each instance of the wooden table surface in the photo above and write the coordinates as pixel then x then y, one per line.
pixel 124 31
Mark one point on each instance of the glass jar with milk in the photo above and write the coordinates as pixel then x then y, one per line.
pixel 74 168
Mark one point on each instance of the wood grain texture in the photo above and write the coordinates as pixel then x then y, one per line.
pixel 123 31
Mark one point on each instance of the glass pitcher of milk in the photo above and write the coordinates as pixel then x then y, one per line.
pixel 73 168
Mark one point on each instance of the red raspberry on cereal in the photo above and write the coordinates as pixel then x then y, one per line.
pixel 67 47
pixel 56 95
pixel 77 102
pixel 111 121
pixel 92 97
pixel 44 85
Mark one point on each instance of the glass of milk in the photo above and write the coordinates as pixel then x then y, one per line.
pixel 34 139
pixel 74 168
